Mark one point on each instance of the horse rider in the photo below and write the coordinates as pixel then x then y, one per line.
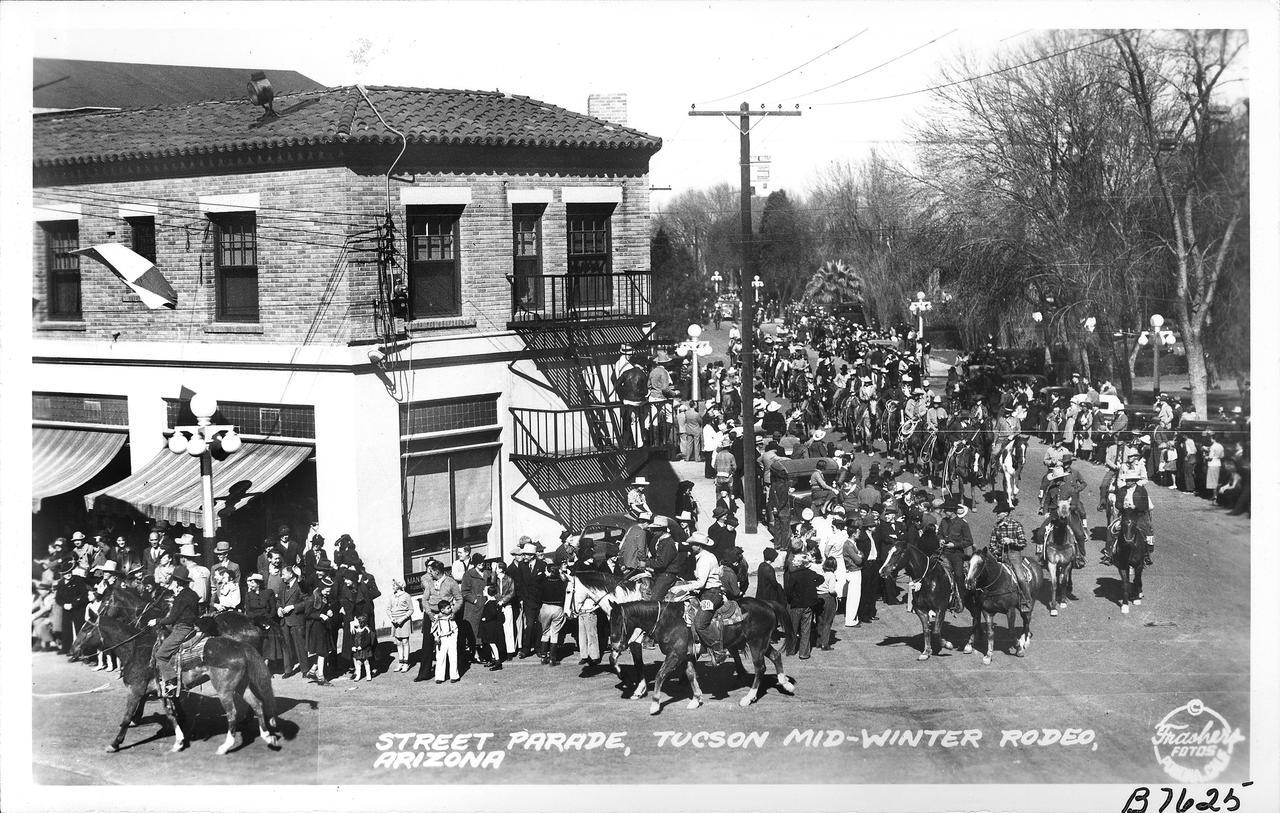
pixel 665 564
pixel 1062 487
pixel 936 415
pixel 955 542
pixel 1134 504
pixel 821 492
pixel 1008 539
pixel 1117 454
pixel 705 588
pixel 915 407
pixel 181 621
pixel 1003 432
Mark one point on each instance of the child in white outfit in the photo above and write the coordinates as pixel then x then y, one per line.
pixel 445 631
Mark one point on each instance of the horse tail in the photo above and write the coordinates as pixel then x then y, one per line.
pixel 781 618
pixel 260 685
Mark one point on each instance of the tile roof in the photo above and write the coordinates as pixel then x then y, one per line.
pixel 338 115
pixel 72 83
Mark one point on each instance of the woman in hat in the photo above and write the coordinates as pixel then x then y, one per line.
pixel 319 616
pixel 1214 453
pixel 262 608
pixel 226 591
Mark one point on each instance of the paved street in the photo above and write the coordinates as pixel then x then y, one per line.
pixel 1090 668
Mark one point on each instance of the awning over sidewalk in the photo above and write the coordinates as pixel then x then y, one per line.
pixel 62 459
pixel 168 487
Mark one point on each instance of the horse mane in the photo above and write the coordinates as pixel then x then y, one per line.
pixel 596 579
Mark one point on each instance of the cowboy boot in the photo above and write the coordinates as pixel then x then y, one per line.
pixel 715 647
pixel 544 653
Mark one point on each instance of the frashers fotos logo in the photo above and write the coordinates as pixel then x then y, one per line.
pixel 1194 743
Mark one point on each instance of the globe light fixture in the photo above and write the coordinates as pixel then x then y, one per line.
pixel 199 441
pixel 203 406
pixel 177 443
pixel 695 331
pixel 1157 321
pixel 197 446
pixel 231 442
pixel 1037 317
pixel 1144 338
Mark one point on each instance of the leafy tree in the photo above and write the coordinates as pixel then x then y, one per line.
pixel 679 293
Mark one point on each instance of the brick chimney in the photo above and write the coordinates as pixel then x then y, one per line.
pixel 608 106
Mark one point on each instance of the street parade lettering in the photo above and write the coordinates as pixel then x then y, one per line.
pixel 488 750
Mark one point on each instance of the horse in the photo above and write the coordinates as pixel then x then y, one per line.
pixel 890 419
pixel 1009 463
pixel 604 589
pixel 936 582
pixel 929 461
pixel 995 590
pixel 228 623
pixel 1130 550
pixel 961 470
pixel 228 665
pixel 664 620
pixel 1059 554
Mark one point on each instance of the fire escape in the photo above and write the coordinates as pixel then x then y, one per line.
pixel 579 458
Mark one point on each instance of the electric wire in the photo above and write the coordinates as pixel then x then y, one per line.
pixel 876 68
pixel 968 79
pixel 788 73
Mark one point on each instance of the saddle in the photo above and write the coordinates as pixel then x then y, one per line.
pixel 729 613
pixel 189 655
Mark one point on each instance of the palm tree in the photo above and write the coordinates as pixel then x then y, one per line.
pixel 834 282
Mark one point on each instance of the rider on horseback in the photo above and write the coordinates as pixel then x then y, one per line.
pixel 955 542
pixel 1006 427
pixel 1007 542
pixel 181 621
pixel 707 591
pixel 1135 505
pixel 1062 488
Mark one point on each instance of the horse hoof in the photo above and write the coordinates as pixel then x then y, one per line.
pixel 746 701
pixel 654 708
pixel 693 704
pixel 787 686
pixel 273 741
pixel 176 747
pixel 947 645
pixel 986 660
pixel 1124 608
pixel 112 748
pixel 1053 611
pixel 924 656
pixel 1137 601
pixel 968 649
pixel 1021 653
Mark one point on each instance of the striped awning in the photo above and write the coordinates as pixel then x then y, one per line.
pixel 168 487
pixel 64 458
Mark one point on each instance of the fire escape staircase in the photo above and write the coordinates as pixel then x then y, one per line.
pixel 576 458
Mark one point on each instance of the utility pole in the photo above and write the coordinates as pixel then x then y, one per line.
pixel 747 292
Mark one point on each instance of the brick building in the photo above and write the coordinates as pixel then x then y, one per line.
pixel 407 300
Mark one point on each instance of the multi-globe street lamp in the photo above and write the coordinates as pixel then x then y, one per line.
pixel 1156 337
pixel 693 347
pixel 717 279
pixel 919 307
pixel 200 441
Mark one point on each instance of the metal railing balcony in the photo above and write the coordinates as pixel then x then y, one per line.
pixel 589 430
pixel 580 297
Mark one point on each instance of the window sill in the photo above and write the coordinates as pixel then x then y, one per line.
pixel 75 327
pixel 441 323
pixel 233 327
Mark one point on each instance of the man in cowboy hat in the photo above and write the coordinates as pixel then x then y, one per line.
pixel 527 572
pixel 181 620
pixel 955 542
pixel 637 499
pixel 665 564
pixel 1133 502
pixel 660 390
pixel 108 573
pixel 1115 457
pixel 1003 432
pixel 1062 488
pixel 198 575
pixel 1008 539
pixel 82 551
pixel 222 559
pixel 72 595
pixel 705 589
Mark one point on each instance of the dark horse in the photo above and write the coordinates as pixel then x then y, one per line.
pixel 230 666
pixel 936 582
pixel 1059 554
pixel 962 469
pixel 1130 550
pixel 665 621
pixel 995 591
pixel 228 623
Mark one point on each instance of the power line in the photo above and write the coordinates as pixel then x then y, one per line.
pixel 971 78
pixel 788 73
pixel 877 67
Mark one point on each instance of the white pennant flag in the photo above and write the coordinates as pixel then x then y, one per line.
pixel 136 271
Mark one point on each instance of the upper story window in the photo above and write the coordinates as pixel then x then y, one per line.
pixel 142 231
pixel 590 253
pixel 526 249
pixel 435 269
pixel 236 266
pixel 63 269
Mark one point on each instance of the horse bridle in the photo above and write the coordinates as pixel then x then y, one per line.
pixel 97 625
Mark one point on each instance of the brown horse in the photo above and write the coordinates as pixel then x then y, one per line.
pixel 1059 554
pixel 228 665
pixel 1129 558
pixel 932 597
pixel 995 591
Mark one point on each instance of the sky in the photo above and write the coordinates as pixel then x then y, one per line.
pixel 666 56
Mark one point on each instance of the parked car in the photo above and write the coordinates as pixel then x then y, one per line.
pixel 1037 382
pixel 618 528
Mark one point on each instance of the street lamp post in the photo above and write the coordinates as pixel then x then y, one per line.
pixel 1156 337
pixel 918 309
pixel 757 284
pixel 717 279
pixel 199 441
pixel 693 348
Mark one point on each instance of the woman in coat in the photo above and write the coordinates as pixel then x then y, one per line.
pixel 473 600
pixel 262 609
pixel 319 615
